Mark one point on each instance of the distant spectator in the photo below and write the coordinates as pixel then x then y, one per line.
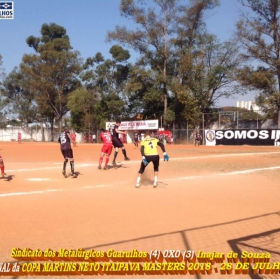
pixel 19 137
pixel 73 136
pixel 161 137
pixel 169 137
pixel 197 138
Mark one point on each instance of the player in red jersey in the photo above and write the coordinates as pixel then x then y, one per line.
pixel 107 148
pixel 19 137
pixel 73 136
pixel 2 167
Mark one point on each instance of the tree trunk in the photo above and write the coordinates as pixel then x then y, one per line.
pixel 43 131
pixel 52 132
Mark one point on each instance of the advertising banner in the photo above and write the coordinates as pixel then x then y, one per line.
pixel 210 138
pixel 135 125
pixel 254 137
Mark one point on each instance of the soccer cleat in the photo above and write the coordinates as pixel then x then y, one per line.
pixel 73 174
pixel 105 168
pixel 137 185
pixel 126 158
pixel 99 166
pixel 4 175
pixel 155 184
pixel 64 173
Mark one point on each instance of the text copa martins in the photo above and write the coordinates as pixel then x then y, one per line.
pixel 250 134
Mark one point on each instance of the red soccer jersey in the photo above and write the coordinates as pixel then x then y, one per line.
pixel 106 138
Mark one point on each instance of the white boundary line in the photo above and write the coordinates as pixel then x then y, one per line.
pixel 138 161
pixel 240 172
pixel 168 179
pixel 38 179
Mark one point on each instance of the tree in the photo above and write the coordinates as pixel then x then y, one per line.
pixel 52 72
pixel 144 93
pixel 2 72
pixel 81 104
pixel 20 100
pixel 259 33
pixel 104 82
pixel 162 29
pixel 3 103
pixel 205 73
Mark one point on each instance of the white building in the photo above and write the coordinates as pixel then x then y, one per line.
pixel 249 105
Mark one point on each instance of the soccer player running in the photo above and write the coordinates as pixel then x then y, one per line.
pixel 149 152
pixel 117 143
pixel 66 150
pixel 107 148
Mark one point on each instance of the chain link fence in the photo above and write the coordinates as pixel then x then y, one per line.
pixel 218 120
pixel 223 121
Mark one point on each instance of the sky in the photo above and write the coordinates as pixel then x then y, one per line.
pixel 87 23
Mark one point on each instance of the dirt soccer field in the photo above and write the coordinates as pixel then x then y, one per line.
pixel 222 198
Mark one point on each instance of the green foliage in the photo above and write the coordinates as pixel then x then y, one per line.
pixel 20 100
pixel 119 54
pixel 102 96
pixel 172 41
pixel 52 72
pixel 258 32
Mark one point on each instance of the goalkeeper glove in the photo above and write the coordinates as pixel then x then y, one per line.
pixel 166 157
pixel 144 161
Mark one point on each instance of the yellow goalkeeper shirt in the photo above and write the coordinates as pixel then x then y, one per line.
pixel 150 146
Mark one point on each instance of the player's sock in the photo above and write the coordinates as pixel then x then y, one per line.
pixel 155 180
pixel 124 152
pixel 2 170
pixel 64 165
pixel 115 156
pixel 138 182
pixel 72 166
pixel 106 161
pixel 100 161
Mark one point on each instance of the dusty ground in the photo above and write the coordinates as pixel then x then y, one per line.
pixel 208 198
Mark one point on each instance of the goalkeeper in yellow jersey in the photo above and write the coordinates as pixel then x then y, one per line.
pixel 149 152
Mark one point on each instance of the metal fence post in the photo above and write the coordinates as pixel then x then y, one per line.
pixel 203 129
pixel 187 133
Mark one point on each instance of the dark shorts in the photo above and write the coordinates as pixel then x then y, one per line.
pixel 117 143
pixel 154 159
pixel 136 140
pixel 67 153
